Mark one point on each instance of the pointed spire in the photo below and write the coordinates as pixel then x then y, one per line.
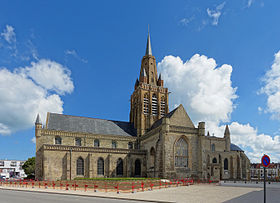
pixel 149 47
pixel 159 78
pixel 136 82
pixel 208 134
pixel 38 120
pixel 227 131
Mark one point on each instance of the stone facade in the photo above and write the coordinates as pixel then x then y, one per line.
pixel 154 143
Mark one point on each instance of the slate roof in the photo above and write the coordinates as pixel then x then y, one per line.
pixel 234 147
pixel 159 122
pixel 89 125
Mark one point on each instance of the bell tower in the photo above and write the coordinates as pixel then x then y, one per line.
pixel 149 101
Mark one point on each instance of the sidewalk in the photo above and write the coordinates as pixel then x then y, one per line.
pixel 194 193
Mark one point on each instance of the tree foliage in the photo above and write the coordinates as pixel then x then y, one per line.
pixel 29 167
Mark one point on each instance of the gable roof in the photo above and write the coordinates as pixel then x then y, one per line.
pixel 179 109
pixel 89 125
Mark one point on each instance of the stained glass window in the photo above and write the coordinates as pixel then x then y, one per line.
pixel 181 153
pixel 80 166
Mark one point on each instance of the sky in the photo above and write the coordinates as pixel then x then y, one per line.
pixel 220 59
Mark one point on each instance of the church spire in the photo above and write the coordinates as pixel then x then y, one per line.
pixel 149 47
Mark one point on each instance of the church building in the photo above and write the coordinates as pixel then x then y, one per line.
pixel 155 142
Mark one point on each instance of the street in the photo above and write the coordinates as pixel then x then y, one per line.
pixel 12 196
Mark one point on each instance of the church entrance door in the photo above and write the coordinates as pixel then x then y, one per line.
pixel 137 168
pixel 120 167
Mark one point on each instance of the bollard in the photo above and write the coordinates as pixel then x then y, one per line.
pixel 151 186
pixel 33 184
pixel 66 187
pixel 117 187
pixel 86 187
pixel 95 188
pixel 53 185
pixel 132 187
pixel 39 184
pixel 159 184
pixel 142 186
pixel 61 185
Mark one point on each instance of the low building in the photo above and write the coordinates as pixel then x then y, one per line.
pixel 12 169
pixel 272 171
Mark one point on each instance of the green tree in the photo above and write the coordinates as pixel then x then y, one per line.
pixel 29 167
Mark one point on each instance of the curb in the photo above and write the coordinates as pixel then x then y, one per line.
pixel 85 195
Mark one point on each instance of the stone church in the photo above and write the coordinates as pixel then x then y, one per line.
pixel 154 143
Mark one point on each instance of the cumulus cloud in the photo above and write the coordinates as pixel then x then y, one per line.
pixel 206 92
pixel 253 143
pixel 216 13
pixel 271 88
pixel 203 88
pixel 9 34
pixel 31 90
pixel 33 140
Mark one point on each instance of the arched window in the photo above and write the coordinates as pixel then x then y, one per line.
pixel 80 166
pixel 214 161
pixel 152 157
pixel 120 167
pixel 96 143
pixel 57 140
pixel 213 147
pixel 137 167
pixel 130 145
pixel 181 153
pixel 100 166
pixel 146 104
pixel 162 106
pixel 114 144
pixel 226 164
pixel 154 105
pixel 78 141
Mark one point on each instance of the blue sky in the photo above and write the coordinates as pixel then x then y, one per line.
pixel 220 59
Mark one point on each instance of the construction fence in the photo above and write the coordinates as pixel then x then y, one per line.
pixel 104 186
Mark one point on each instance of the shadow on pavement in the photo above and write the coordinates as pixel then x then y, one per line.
pixel 272 196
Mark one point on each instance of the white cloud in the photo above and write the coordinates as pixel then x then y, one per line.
pixel 186 21
pixel 249 3
pixel 50 75
pixel 9 34
pixel 271 88
pixel 26 92
pixel 206 92
pixel 33 140
pixel 203 88
pixel 253 143
pixel 216 13
pixel 75 55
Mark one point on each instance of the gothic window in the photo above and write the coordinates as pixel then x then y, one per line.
pixel 214 161
pixel 154 105
pixel 226 164
pixel 162 106
pixel 96 143
pixel 130 145
pixel 146 104
pixel 120 167
pixel 80 166
pixel 181 153
pixel 114 144
pixel 213 147
pixel 78 141
pixel 100 166
pixel 57 140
